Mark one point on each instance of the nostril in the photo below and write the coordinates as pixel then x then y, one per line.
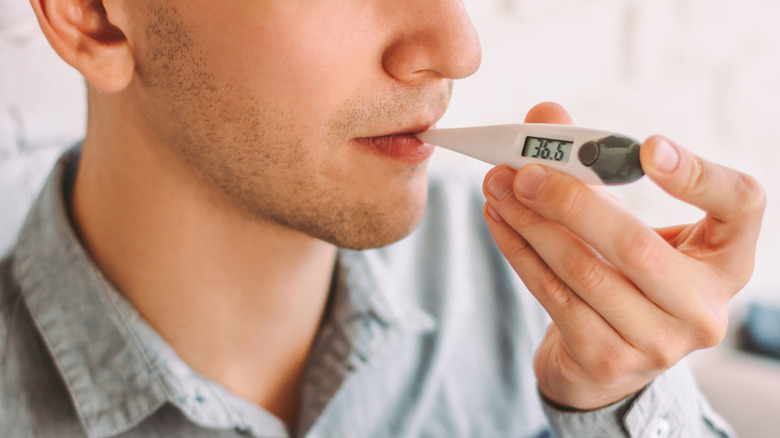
pixel 445 45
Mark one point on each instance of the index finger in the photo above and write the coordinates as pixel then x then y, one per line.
pixel 728 196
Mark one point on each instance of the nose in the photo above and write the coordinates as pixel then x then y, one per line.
pixel 434 38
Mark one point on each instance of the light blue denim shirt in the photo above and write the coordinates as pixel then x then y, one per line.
pixel 430 337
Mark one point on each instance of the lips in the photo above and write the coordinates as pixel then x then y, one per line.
pixel 403 146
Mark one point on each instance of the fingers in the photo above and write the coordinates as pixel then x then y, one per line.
pixel 548 112
pixel 579 323
pixel 652 284
pixel 726 195
pixel 574 284
pixel 637 251
pixel 597 312
pixel 610 283
pixel 734 203
pixel 564 273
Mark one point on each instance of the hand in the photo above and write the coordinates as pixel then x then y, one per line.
pixel 627 302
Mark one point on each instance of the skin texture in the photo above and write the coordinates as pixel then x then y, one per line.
pixel 630 303
pixel 220 171
pixel 254 122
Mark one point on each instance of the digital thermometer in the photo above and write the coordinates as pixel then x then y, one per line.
pixel 590 155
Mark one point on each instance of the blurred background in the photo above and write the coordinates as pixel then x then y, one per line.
pixel 705 73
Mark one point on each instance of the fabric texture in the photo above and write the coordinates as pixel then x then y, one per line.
pixel 433 336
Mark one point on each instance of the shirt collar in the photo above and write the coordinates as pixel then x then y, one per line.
pixel 114 377
pixel 365 287
pixel 107 373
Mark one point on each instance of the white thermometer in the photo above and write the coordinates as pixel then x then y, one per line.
pixel 590 155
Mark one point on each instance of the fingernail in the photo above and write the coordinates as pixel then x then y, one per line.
pixel 529 180
pixel 665 156
pixel 500 184
pixel 494 214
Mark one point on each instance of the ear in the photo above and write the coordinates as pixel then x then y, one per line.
pixel 82 33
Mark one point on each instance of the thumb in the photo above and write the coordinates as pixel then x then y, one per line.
pixel 549 112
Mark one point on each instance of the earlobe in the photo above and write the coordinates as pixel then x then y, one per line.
pixel 84 35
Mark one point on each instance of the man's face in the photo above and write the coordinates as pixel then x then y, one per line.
pixel 276 104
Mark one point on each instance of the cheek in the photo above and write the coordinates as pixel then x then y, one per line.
pixel 292 61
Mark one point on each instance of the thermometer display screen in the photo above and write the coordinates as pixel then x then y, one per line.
pixel 547 149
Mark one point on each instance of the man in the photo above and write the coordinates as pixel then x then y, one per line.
pixel 179 275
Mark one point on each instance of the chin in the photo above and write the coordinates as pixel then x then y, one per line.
pixel 377 240
pixel 384 211
pixel 374 226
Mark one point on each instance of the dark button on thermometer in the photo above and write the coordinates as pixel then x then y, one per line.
pixel 601 157
pixel 589 153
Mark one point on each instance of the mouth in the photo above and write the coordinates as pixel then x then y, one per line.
pixel 402 146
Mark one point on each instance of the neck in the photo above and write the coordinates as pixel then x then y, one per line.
pixel 239 299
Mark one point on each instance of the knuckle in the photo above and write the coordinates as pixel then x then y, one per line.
pixel 663 358
pixel 573 202
pixel 664 349
pixel 711 337
pixel 589 276
pixel 751 195
pixel 557 290
pixel 695 182
pixel 703 326
pixel 522 217
pixel 663 353
pixel 668 344
pixel 641 247
pixel 709 328
pixel 518 248
pixel 517 215
pixel 612 362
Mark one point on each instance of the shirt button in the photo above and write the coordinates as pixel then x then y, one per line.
pixel 659 429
